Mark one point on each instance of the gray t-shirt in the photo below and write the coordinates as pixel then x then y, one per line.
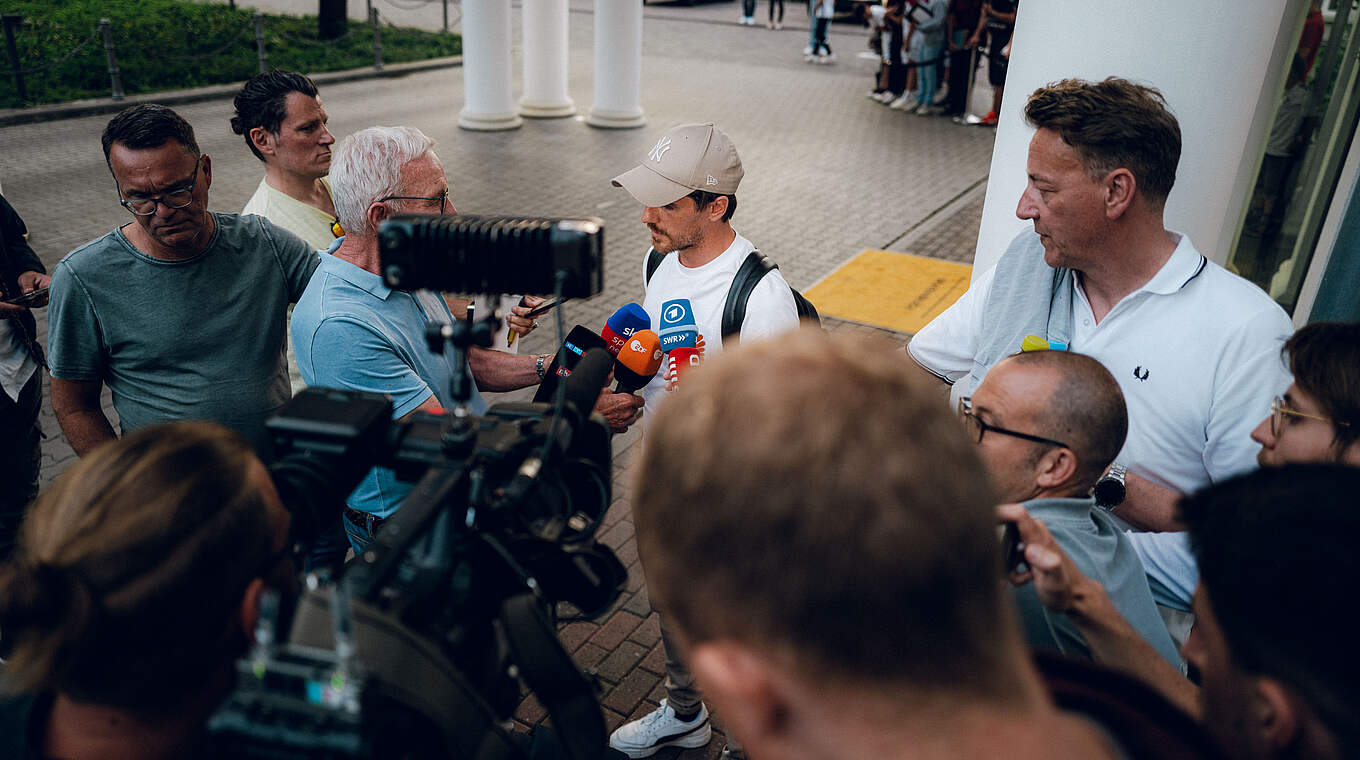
pixel 1103 553
pixel 178 340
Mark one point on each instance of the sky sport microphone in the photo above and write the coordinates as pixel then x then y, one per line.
pixel 579 340
pixel 638 361
pixel 623 323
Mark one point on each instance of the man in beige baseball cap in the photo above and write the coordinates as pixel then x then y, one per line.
pixel 687 184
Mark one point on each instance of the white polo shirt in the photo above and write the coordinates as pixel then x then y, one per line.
pixel 1196 352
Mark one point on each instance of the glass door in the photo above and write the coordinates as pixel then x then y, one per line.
pixel 1312 131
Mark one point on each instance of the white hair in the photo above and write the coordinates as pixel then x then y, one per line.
pixel 366 166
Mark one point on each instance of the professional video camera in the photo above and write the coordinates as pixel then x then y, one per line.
pixel 419 647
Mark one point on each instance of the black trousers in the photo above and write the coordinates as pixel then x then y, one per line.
pixel 960 73
pixel 20 459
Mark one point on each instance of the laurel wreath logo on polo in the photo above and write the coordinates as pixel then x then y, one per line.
pixel 659 150
pixel 1141 373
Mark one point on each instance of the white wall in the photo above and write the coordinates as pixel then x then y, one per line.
pixel 1218 62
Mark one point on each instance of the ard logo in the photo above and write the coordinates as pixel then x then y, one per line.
pixel 1141 373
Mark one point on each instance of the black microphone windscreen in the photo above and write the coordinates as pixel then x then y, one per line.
pixel 585 382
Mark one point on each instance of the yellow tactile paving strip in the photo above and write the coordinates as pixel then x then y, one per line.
pixel 898 291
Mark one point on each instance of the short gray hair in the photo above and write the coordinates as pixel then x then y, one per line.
pixel 367 166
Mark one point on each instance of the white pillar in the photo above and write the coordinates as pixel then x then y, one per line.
pixel 1220 64
pixel 618 65
pixel 545 60
pixel 488 97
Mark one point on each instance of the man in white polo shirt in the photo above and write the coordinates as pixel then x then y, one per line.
pixel 1195 349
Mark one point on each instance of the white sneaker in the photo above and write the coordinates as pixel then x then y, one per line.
pixel 807 50
pixel 906 101
pixel 660 728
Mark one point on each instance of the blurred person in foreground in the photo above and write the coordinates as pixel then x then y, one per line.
pixel 134 590
pixel 835 577
pixel 1274 653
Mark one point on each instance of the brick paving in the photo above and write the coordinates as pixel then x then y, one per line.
pixel 829 173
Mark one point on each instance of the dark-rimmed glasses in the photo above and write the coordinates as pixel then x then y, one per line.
pixel 443 199
pixel 175 199
pixel 976 427
pixel 1279 408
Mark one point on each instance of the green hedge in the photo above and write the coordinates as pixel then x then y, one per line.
pixel 174 44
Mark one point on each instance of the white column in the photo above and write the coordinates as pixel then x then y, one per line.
pixel 545 60
pixel 1220 64
pixel 618 65
pixel 488 97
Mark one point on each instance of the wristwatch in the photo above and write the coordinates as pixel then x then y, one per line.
pixel 538 367
pixel 1110 490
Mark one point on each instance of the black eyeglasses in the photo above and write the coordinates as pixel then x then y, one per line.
pixel 1279 408
pixel 173 199
pixel 443 199
pixel 976 427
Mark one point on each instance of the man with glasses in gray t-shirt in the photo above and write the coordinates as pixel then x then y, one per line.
pixel 181 311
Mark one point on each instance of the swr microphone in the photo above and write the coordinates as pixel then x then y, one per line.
pixel 622 324
pixel 638 361
pixel 579 340
pixel 677 325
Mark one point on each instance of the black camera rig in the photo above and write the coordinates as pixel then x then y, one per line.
pixel 419 646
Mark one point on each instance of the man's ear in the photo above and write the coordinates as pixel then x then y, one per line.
pixel 1277 715
pixel 717 208
pixel 1055 467
pixel 378 212
pixel 1120 189
pixel 749 698
pixel 249 613
pixel 263 140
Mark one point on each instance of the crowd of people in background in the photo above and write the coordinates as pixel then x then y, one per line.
pixel 931 50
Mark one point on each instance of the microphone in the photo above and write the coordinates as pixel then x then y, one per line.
pixel 677 325
pixel 684 359
pixel 585 382
pixel 622 324
pixel 638 361
pixel 580 340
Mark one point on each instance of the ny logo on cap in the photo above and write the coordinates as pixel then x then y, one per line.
pixel 659 150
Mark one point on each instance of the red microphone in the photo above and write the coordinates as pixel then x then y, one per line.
pixel 638 361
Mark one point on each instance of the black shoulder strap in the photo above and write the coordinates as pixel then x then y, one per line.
pixel 748 276
pixel 653 261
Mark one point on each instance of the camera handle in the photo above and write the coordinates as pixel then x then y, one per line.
pixel 459 336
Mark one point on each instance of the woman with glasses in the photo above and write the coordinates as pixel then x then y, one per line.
pixel 1318 417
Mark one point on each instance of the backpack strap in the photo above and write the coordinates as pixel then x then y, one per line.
pixel 752 270
pixel 653 261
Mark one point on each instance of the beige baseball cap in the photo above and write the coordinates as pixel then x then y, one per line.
pixel 687 158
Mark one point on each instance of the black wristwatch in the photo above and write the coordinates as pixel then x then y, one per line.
pixel 1110 490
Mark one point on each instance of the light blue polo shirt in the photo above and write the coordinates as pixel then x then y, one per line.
pixel 351 331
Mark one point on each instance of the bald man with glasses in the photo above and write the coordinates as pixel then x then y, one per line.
pixel 1047 424
pixel 181 311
